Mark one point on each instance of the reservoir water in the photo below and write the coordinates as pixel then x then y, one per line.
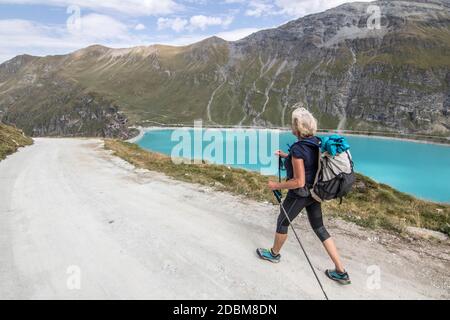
pixel 420 169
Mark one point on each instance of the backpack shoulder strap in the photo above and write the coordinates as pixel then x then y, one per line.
pixel 352 164
pixel 318 176
pixel 310 142
pixel 319 166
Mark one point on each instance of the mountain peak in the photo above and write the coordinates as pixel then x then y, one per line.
pixel 214 40
pixel 92 50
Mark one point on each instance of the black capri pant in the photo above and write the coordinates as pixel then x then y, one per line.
pixel 293 206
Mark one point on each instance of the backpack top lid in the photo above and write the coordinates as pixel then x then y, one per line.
pixel 334 145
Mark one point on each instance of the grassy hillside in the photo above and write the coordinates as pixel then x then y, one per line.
pixel 11 139
pixel 370 205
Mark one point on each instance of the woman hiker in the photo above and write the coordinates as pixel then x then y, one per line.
pixel 301 167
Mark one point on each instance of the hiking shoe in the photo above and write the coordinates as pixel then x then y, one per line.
pixel 266 254
pixel 342 278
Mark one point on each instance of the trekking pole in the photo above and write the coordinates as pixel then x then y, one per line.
pixel 279 197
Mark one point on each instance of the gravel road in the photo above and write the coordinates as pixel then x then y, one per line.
pixel 78 223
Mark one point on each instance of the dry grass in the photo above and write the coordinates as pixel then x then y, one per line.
pixel 222 178
pixel 371 204
pixel 11 139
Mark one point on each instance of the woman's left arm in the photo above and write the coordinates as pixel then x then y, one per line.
pixel 299 177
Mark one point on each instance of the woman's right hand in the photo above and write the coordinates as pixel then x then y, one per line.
pixel 281 154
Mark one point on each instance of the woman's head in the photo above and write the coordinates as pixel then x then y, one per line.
pixel 303 123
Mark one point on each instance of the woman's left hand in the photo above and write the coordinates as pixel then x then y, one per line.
pixel 273 185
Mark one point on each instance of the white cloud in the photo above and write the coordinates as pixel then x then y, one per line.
pixel 96 27
pixel 176 24
pixel 23 36
pixel 139 27
pixel 16 33
pixel 128 7
pixel 259 8
pixel 41 44
pixel 202 22
pixel 194 23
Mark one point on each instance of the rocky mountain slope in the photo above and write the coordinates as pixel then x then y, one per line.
pixel 37 99
pixel 394 78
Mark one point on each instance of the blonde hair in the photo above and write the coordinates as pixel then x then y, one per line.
pixel 304 122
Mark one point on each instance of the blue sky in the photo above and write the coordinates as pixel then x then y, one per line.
pixel 42 27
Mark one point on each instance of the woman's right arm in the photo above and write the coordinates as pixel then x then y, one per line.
pixel 281 154
pixel 298 181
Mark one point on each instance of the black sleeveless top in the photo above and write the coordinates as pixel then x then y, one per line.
pixel 308 150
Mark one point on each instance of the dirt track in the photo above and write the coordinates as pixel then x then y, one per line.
pixel 67 205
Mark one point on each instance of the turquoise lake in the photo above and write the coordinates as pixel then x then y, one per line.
pixel 420 169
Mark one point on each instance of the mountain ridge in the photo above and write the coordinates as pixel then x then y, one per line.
pixel 396 78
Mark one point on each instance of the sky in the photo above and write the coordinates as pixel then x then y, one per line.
pixel 44 27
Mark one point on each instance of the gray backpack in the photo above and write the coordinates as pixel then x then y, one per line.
pixel 335 176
